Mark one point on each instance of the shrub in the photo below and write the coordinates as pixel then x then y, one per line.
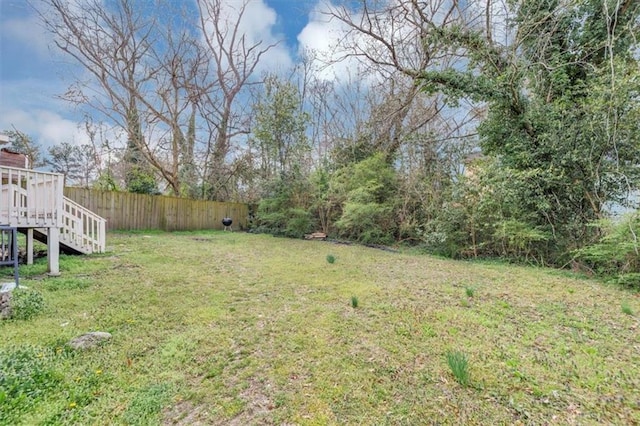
pixel 615 253
pixel 366 190
pixel 484 217
pixel 298 223
pixel 284 211
pixel 368 223
pixel 141 181
pixel 26 303
pixel 629 280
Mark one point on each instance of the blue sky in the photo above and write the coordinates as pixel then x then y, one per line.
pixel 33 72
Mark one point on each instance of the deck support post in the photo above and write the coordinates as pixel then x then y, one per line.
pixel 29 247
pixel 53 251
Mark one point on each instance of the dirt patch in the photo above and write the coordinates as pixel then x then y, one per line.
pixel 184 413
pixel 258 406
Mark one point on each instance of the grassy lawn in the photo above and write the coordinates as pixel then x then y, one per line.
pixel 232 328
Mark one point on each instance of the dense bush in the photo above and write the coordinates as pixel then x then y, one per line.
pixel 369 223
pixel 356 202
pixel 284 211
pixel 488 212
pixel 484 217
pixel 140 181
pixel 616 254
pixel 367 189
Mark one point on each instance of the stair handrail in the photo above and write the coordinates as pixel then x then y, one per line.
pixel 30 198
pixel 82 227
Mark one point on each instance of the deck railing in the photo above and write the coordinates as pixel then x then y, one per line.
pixel 30 199
pixel 82 228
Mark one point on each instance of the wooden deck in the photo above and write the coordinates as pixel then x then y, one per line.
pixel 32 200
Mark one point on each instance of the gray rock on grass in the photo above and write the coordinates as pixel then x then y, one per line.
pixel 89 340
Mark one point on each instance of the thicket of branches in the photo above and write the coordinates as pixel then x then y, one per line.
pixel 486 128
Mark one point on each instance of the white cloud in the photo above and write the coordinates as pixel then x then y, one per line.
pixel 321 39
pixel 343 50
pixel 46 127
pixel 28 90
pixel 30 106
pixel 340 50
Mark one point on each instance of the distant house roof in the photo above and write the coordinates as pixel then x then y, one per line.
pixel 13 159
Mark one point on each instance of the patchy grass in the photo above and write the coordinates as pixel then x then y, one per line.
pixel 231 328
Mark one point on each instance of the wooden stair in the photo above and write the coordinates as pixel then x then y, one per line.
pixel 33 200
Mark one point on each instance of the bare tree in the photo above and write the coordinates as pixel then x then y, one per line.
pixel 234 58
pixel 128 55
pixel 394 43
pixel 169 83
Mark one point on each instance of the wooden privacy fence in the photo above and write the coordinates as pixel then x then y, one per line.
pixel 127 211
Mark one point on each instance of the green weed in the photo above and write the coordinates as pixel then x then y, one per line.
pixel 459 366
pixel 331 258
pixel 428 331
pixel 354 301
pixel 626 308
pixel 26 303
pixel 470 291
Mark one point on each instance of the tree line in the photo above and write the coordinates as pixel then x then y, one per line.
pixel 492 128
